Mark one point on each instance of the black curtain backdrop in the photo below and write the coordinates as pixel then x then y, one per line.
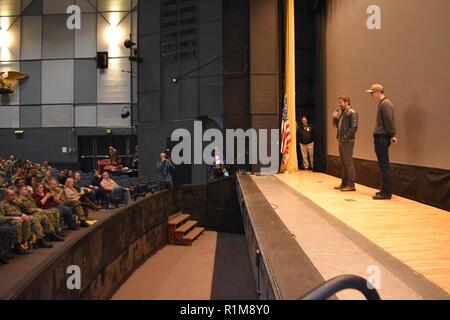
pixel 320 8
pixel 426 185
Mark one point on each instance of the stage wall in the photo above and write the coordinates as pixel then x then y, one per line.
pixel 410 55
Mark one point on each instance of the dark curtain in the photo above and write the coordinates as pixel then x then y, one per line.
pixel 320 9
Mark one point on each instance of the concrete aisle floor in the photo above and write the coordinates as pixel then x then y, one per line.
pixel 216 267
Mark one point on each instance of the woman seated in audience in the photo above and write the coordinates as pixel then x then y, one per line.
pixel 52 200
pixel 72 199
pixel 70 174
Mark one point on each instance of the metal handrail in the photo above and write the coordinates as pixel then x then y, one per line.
pixel 338 284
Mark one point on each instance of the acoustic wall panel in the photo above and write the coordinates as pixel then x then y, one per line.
pixel 57 81
pixel 58 41
pixel 87 5
pixel 56 7
pixel 10 49
pixel 86 37
pixel 31 88
pixel 30 117
pixel 9 117
pixel 31 7
pixel 31 37
pixel 113 84
pixel 109 116
pixel 57 116
pixel 85 116
pixel 85 81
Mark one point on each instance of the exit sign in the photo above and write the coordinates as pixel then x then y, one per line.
pixel 109 131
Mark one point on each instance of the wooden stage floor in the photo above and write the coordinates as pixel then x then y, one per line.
pixel 416 234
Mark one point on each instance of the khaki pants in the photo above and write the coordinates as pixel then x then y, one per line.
pixel 347 165
pixel 308 152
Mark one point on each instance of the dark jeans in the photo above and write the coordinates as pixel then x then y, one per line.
pixel 90 196
pixel 165 185
pixel 382 145
pixel 67 214
pixel 347 165
pixel 7 236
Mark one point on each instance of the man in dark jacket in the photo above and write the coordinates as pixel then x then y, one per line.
pixel 305 135
pixel 346 121
pixel 384 135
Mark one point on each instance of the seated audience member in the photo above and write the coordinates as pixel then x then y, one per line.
pixel 88 197
pixel 34 230
pixel 96 186
pixel 62 178
pixel 70 174
pixel 217 168
pixel 49 219
pixel 53 198
pixel 22 231
pixel 96 179
pixel 7 238
pixel 72 199
pixel 22 183
pixel 114 190
pixel 19 175
pixel 48 176
pixel 45 167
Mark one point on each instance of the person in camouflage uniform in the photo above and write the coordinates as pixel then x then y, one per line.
pixel 7 237
pixel 34 229
pixel 49 219
pixel 22 230
pixel 46 180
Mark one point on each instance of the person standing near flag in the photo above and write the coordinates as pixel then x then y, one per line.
pixel 346 121
pixel 305 134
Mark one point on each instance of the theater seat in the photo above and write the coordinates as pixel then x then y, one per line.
pixel 141 188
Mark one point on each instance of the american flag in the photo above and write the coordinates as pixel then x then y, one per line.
pixel 285 133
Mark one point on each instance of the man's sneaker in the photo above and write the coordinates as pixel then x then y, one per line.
pixel 381 196
pixel 340 187
pixel 348 189
pixel 84 224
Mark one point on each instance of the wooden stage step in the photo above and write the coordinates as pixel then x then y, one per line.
pixel 179 220
pixel 192 236
pixel 184 229
pixel 175 223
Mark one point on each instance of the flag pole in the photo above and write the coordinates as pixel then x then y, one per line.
pixel 289 162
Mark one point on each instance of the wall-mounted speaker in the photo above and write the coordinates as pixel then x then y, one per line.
pixel 102 60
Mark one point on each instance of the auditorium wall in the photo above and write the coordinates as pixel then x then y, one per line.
pixel 65 96
pixel 217 93
pixel 410 55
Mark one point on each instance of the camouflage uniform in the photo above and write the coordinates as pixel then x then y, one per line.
pixel 45 181
pixel 32 228
pixel 2 181
pixel 49 219
pixel 22 228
